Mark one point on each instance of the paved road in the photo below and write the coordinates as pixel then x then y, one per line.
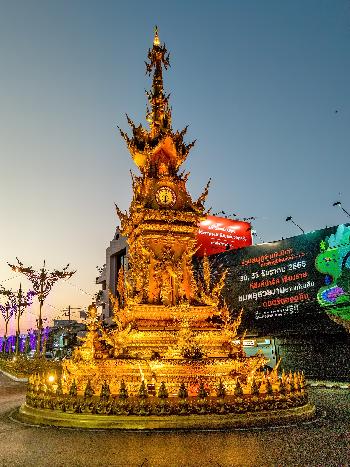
pixel 324 442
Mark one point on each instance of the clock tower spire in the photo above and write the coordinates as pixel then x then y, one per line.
pixel 159 117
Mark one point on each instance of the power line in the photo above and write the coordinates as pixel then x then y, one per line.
pixel 79 288
pixel 10 278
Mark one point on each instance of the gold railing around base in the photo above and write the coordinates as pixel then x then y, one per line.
pixel 152 405
pixel 158 409
pixel 166 421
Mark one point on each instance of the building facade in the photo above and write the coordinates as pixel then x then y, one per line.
pixel 116 258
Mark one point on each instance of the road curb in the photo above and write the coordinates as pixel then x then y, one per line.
pixel 14 378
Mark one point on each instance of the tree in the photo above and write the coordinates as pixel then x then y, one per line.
pixel 22 301
pixel 7 311
pixel 42 281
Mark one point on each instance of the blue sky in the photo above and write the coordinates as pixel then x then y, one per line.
pixel 263 85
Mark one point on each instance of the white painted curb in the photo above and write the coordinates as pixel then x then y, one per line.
pixel 14 378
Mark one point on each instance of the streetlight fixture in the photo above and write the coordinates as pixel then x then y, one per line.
pixel 289 218
pixel 338 203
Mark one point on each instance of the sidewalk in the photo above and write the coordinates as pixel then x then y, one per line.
pixel 328 384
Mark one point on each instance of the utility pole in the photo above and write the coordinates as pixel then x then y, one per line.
pixel 289 218
pixel 68 312
pixel 69 331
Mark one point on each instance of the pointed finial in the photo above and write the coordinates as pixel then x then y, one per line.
pixel 156 40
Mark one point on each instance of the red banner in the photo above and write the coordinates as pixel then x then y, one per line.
pixel 218 234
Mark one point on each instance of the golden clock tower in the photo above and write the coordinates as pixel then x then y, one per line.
pixel 165 342
pixel 162 222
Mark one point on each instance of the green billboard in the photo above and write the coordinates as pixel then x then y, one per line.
pixel 290 283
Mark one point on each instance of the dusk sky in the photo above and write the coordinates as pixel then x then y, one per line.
pixel 263 86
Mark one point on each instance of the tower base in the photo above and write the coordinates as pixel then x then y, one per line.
pixel 246 420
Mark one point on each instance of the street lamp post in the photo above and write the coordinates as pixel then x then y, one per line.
pixel 338 203
pixel 289 218
pixel 42 281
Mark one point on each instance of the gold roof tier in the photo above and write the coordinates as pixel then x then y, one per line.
pixel 170 371
pixel 156 220
pixel 170 313
pixel 148 152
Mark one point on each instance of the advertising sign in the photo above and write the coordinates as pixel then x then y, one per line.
pixel 292 279
pixel 218 234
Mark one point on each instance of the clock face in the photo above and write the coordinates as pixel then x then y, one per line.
pixel 165 196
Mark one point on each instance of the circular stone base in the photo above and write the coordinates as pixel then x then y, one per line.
pixel 46 417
